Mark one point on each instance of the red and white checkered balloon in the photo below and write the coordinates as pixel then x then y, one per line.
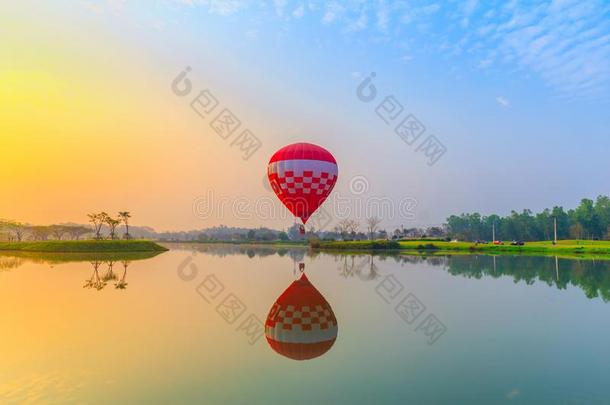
pixel 301 324
pixel 302 176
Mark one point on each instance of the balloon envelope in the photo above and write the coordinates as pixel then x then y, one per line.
pixel 302 175
pixel 301 324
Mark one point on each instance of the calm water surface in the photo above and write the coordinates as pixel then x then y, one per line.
pixel 186 326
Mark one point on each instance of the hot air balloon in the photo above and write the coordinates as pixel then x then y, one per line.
pixel 301 324
pixel 302 175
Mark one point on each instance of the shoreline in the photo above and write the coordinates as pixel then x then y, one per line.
pixel 83 246
pixel 573 249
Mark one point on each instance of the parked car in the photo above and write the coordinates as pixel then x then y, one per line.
pixel 517 243
pixel 498 242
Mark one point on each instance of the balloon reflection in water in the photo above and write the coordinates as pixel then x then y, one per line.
pixel 301 324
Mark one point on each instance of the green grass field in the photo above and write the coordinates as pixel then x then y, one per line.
pixel 78 246
pixel 563 248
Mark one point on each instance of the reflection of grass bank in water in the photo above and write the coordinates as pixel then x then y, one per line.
pixel 564 248
pixel 83 246
pixel 64 257
pixel 356 245
pixel 591 276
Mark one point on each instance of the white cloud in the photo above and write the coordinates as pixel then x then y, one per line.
pixel 220 7
pixel 382 16
pixel 251 35
pixel 563 43
pixel 360 24
pixel 332 12
pixel 502 101
pixel 299 11
pixel 430 9
pixel 467 9
pixel 279 6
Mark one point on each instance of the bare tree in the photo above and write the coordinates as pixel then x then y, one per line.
pixel 14 230
pixel 342 228
pixel 58 231
pixel 40 232
pixel 371 225
pixel 352 227
pixel 77 231
pixel 97 220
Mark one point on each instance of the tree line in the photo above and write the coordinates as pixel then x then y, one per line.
pixel 590 220
pixel 100 219
pixel 15 231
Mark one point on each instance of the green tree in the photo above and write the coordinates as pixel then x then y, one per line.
pixel 602 210
pixel 587 217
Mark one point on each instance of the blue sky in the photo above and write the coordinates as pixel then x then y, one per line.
pixel 517 92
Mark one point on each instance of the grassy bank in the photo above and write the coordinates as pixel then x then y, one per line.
pixel 356 245
pixel 82 246
pixel 564 247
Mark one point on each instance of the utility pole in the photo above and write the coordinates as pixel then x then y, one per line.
pixel 493 232
pixel 555 230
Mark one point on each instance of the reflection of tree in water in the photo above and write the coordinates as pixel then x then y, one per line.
pixel 121 284
pixel 109 275
pixel 297 255
pixel 222 250
pixel 99 282
pixel 94 281
pixel 362 266
pixel 591 276
pixel 10 262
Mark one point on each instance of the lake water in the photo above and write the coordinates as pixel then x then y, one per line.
pixel 187 326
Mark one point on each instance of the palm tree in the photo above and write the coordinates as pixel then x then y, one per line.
pixel 112 224
pixel 124 216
